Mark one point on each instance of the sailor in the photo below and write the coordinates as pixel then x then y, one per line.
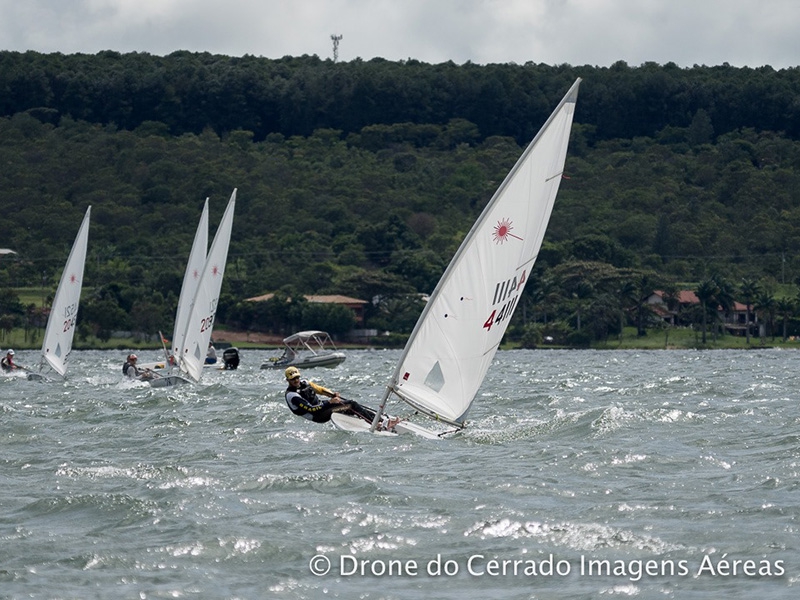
pixel 211 355
pixel 129 369
pixel 8 361
pixel 303 399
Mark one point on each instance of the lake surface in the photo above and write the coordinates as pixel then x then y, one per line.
pixel 583 474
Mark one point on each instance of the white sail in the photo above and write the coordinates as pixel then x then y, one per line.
pixel 200 323
pixel 61 323
pixel 453 344
pixel 191 279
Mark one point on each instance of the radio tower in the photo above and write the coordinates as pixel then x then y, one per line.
pixel 336 39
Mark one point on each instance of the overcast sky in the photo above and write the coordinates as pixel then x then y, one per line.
pixel 576 32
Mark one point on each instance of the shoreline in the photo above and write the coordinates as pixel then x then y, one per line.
pixel 274 343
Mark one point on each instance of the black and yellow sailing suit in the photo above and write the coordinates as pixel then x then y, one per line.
pixel 305 402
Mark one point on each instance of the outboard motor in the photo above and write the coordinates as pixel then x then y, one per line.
pixel 230 358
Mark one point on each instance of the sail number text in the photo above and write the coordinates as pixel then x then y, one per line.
pixel 504 301
pixel 70 313
pixel 207 323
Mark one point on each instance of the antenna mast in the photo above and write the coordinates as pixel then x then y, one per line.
pixel 336 39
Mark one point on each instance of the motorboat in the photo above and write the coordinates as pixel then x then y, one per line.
pixel 306 349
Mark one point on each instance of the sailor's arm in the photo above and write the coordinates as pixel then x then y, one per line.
pixel 324 391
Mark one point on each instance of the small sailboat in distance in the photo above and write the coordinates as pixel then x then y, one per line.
pixel 191 279
pixel 203 311
pixel 197 305
pixel 61 322
pixel 460 329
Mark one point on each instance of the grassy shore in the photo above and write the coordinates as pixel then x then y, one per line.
pixel 18 340
pixel 670 339
pixel 677 338
pixel 680 338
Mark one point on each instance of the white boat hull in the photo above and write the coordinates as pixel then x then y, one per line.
pixel 153 366
pixel 357 425
pixel 167 381
pixel 326 360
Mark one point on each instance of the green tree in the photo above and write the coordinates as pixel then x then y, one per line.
pixel 786 308
pixel 104 316
pixel 628 295
pixel 701 130
pixel 767 305
pixel 749 290
pixel 333 318
pixel 724 300
pixel 399 313
pixel 707 293
pixel 10 303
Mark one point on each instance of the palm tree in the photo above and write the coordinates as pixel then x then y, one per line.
pixel 750 291
pixel 766 304
pixel 644 287
pixel 706 293
pixel 538 298
pixel 670 296
pixel 724 299
pixel 786 308
pixel 628 297
pixel 581 297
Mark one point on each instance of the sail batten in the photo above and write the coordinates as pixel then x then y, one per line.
pixel 465 319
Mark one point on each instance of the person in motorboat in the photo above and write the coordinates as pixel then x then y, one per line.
pixel 303 399
pixel 211 355
pixel 7 363
pixel 129 369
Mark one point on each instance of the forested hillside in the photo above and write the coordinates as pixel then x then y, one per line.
pixel 361 178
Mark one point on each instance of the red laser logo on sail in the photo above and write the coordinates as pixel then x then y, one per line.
pixel 502 231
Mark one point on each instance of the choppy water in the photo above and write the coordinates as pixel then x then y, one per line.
pixel 583 475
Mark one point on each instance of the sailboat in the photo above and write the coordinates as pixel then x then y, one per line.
pixel 191 277
pixel 457 335
pixel 60 330
pixel 191 280
pixel 194 319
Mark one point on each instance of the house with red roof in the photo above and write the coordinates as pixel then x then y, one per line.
pixel 354 304
pixel 734 320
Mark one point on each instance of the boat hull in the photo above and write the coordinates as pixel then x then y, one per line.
pixel 327 360
pixel 167 381
pixel 357 425
pixel 153 366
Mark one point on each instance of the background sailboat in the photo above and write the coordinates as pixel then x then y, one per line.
pixel 455 339
pixel 191 279
pixel 194 322
pixel 200 323
pixel 61 322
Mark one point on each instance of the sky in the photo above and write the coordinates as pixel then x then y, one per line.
pixel 576 32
